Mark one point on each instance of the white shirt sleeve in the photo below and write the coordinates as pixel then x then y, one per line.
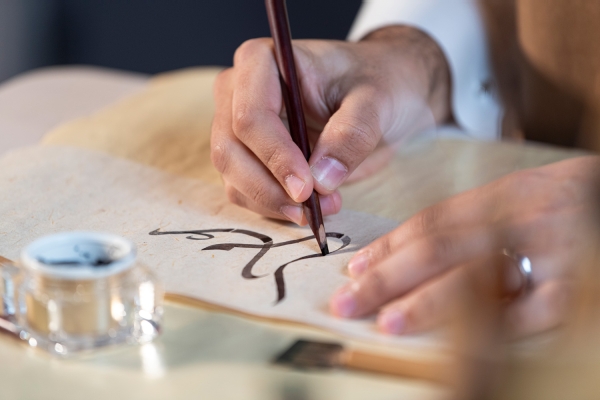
pixel 457 27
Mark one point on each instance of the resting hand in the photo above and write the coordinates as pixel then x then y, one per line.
pixel 354 93
pixel 411 275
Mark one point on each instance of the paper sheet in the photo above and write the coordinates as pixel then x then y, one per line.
pixel 51 189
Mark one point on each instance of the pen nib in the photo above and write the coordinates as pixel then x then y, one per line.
pixel 323 240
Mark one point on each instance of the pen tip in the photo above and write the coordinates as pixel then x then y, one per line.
pixel 322 239
pixel 324 249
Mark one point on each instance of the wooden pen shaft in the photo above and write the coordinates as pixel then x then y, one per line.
pixel 284 54
pixel 429 371
pixel 292 96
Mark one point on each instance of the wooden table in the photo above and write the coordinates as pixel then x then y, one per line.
pixel 165 122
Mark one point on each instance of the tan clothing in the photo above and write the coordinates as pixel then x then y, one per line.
pixel 547 57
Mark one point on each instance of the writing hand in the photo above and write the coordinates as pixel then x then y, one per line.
pixel 354 94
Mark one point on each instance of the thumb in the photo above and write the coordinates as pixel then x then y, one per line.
pixel 350 135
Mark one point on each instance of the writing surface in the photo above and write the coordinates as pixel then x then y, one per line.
pixel 195 241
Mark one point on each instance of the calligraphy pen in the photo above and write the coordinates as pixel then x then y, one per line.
pixel 290 88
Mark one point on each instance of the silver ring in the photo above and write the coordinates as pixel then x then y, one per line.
pixel 523 264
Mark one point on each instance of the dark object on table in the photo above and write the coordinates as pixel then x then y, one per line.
pixel 290 88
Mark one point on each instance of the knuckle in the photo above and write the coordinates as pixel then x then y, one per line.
pixel 427 220
pixel 275 161
pixel 359 137
pixel 377 287
pixel 557 202
pixel 421 307
pixel 435 250
pixel 524 184
pixel 385 247
pixel 219 157
pixel 564 197
pixel 249 49
pixel 243 122
pixel 533 221
pixel 259 194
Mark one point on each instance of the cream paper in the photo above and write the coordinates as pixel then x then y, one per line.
pixel 50 189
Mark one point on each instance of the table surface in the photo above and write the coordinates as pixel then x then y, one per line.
pixel 208 354
pixel 200 355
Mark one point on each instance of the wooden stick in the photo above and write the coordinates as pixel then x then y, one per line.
pixel 406 368
pixel 290 88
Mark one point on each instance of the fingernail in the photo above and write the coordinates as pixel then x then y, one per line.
pixel 392 322
pixel 343 303
pixel 358 264
pixel 293 213
pixel 294 186
pixel 329 172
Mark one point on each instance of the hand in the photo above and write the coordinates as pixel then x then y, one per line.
pixel 414 272
pixel 354 94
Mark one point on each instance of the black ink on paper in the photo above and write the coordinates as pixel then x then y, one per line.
pixel 267 244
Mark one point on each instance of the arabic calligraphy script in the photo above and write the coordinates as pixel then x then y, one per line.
pixel 262 249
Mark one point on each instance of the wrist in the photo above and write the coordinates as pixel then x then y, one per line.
pixel 426 60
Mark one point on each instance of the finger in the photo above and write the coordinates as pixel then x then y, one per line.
pixel 475 207
pixel 292 212
pixel 256 107
pixel 260 191
pixel 410 267
pixel 330 204
pixel 351 134
pixel 220 130
pixel 423 309
pixel 240 169
pixel 222 137
pixel 249 177
pixel 543 309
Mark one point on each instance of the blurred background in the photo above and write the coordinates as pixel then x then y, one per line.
pixel 149 36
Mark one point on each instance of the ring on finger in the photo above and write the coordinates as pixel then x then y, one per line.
pixel 523 266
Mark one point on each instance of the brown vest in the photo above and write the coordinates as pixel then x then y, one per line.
pixel 546 54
